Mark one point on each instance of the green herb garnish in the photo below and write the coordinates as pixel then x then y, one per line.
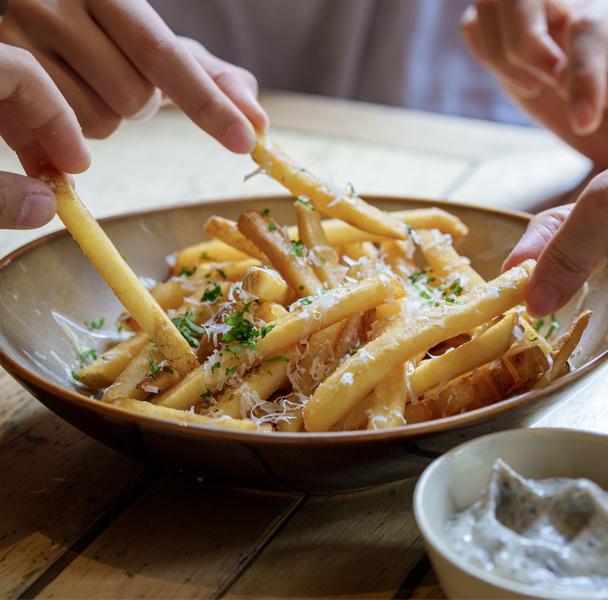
pixel 185 272
pixel 212 294
pixel 96 324
pixel 188 328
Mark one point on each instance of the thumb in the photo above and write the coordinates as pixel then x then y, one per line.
pixel 25 203
pixel 572 253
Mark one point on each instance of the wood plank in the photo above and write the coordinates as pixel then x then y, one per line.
pixel 182 539
pixel 357 545
pixel 56 484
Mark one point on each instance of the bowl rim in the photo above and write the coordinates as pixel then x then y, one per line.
pixel 439 546
pixel 337 438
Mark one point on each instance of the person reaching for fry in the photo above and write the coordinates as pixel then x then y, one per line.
pixel 111 59
pixel 551 58
pixel 72 64
pixel 39 125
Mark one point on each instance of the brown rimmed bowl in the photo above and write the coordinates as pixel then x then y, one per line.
pixel 48 289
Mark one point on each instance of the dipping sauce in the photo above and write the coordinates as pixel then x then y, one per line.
pixel 551 533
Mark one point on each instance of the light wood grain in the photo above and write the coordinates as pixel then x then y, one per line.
pixel 182 539
pixel 56 483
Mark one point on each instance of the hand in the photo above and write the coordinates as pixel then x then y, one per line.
pixel 551 56
pixel 110 58
pixel 568 241
pixel 38 124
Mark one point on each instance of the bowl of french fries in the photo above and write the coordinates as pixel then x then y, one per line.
pixel 316 342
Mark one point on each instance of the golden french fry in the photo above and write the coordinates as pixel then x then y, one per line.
pixel 270 312
pixel 126 384
pixel 293 421
pixel 325 197
pixel 103 372
pixel 287 258
pixel 117 273
pixel 356 417
pixel 227 231
pixel 567 343
pixel 399 255
pixel 389 400
pixel 183 416
pixel 209 251
pixel 488 346
pixel 323 258
pixel 321 312
pixel 226 271
pixel 445 261
pixel 268 286
pixel 404 338
pixel 357 251
pixel 265 379
pixel 339 232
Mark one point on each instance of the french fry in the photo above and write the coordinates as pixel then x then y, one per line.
pixel 272 240
pixel 238 400
pixel 488 346
pixel 567 343
pixel 270 312
pixel 227 231
pixel 389 400
pixel 397 254
pixel 182 416
pixel 333 202
pixel 103 372
pixel 445 261
pixel 226 271
pixel 126 384
pixel 404 339
pixel 323 311
pixel 356 417
pixel 357 251
pixel 209 251
pixel 116 272
pixel 268 286
pixel 338 232
pixel 294 422
pixel 323 258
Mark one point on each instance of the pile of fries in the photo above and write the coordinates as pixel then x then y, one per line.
pixel 328 326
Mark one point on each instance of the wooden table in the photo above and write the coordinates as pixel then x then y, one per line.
pixel 78 520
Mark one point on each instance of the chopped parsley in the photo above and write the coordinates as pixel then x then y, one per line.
pixel 425 295
pixel 76 377
pixel 409 229
pixel 188 328
pixel 231 397
pixel 105 359
pixel 242 331
pixel 538 324
pixel 265 212
pixel 277 358
pixel 185 272
pixel 221 273
pixel 86 356
pixel 351 189
pixel 205 256
pixel 554 326
pixel 357 347
pixel 207 394
pixel 297 247
pixel 414 276
pixel 271 227
pixel 266 329
pixel 456 288
pixel 119 327
pixel 154 369
pixel 215 366
pixel 96 324
pixel 301 287
pixel 305 300
pixel 306 203
pixel 231 371
pixel 212 294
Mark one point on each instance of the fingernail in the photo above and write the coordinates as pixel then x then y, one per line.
pixel 542 300
pixel 584 117
pixel 240 138
pixel 37 210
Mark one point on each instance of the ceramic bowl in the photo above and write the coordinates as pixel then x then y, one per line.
pixel 455 481
pixel 48 289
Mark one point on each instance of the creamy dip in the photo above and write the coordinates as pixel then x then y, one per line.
pixel 551 533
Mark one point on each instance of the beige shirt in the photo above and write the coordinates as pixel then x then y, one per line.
pixel 396 52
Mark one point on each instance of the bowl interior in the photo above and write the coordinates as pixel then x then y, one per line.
pixel 455 481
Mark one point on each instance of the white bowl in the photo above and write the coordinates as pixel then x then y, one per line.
pixel 455 481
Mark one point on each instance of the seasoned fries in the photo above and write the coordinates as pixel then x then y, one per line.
pixel 328 326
